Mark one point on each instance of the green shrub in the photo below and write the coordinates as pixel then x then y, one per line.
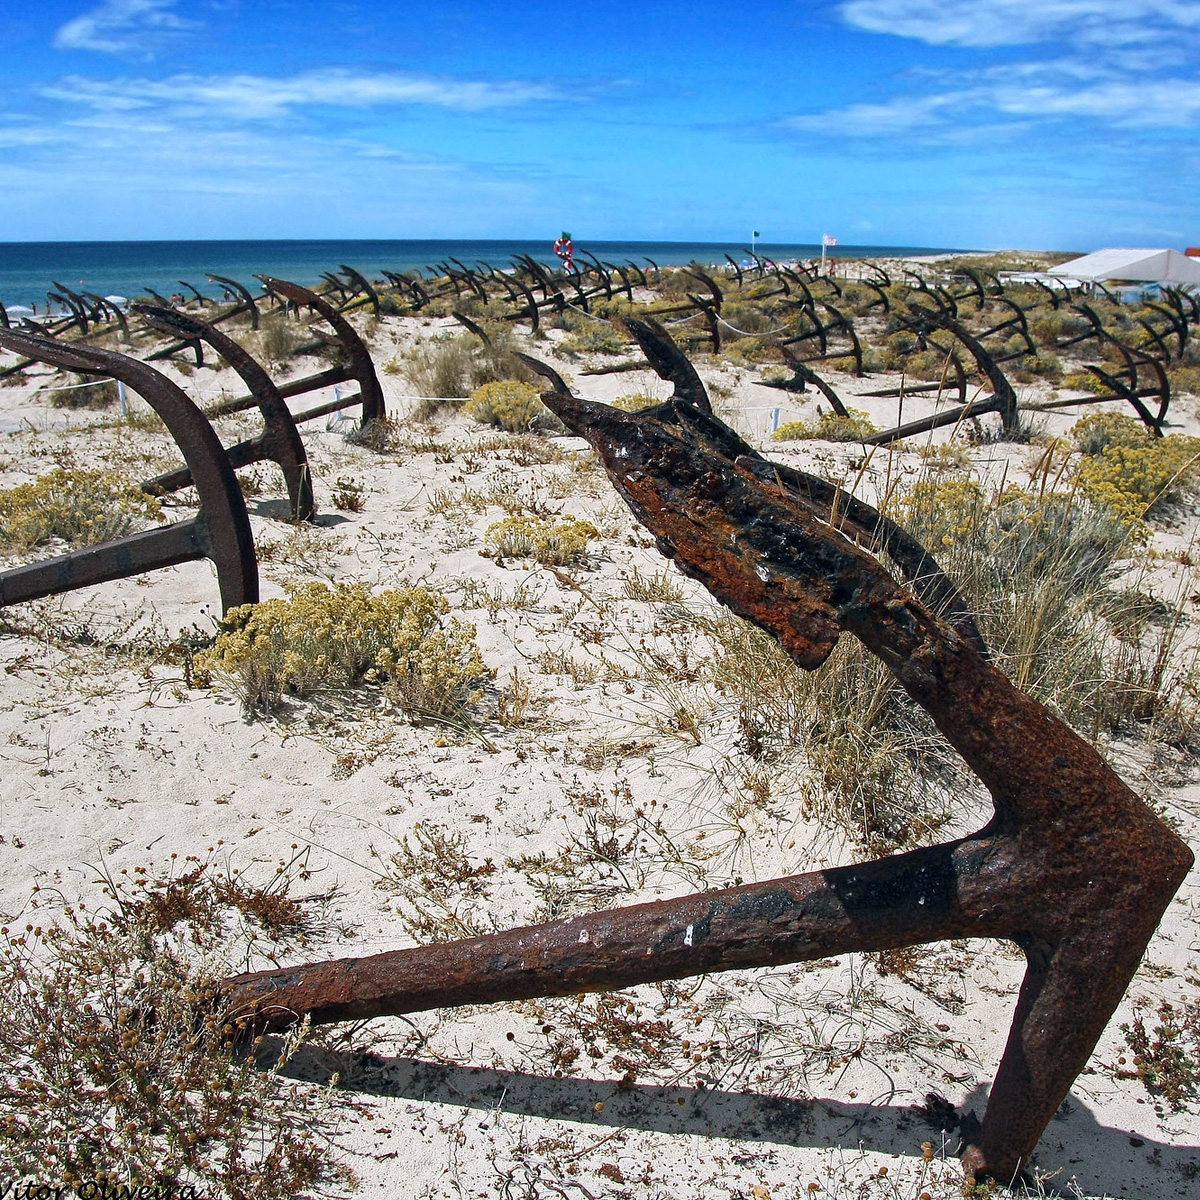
pixel 1093 434
pixel 593 338
pixel 1048 329
pixel 512 405
pixel 99 393
pixel 748 318
pixel 552 543
pixel 928 365
pixel 81 507
pixel 1185 379
pixel 1166 1057
pixel 393 304
pixel 897 348
pixel 320 639
pixel 1083 381
pixel 829 428
pixel 1043 365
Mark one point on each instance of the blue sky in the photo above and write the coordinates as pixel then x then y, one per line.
pixel 1065 124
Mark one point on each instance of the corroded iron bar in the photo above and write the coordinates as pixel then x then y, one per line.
pixel 119 559
pixel 358 357
pixel 280 440
pixel 669 362
pixel 247 302
pixel 806 375
pixel 1073 867
pixel 363 284
pixel 220 531
pixel 950 416
pixel 297 387
pixel 1002 390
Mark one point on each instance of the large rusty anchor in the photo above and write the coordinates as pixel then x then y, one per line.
pixel 279 441
pixel 1072 866
pixel 357 365
pixel 220 531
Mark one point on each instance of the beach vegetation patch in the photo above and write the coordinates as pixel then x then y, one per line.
pixel 635 401
pixel 80 507
pixel 277 339
pixel 512 405
pixel 552 542
pixel 119 1060
pixel 595 337
pixel 1131 473
pixel 828 427
pixel 1185 378
pixel 82 392
pixel 320 640
pixel 1047 576
pixel 1166 1056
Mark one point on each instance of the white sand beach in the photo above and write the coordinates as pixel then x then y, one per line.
pixel 597 722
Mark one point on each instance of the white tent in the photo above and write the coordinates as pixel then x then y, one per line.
pixel 1138 266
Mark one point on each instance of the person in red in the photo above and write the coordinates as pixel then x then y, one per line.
pixel 565 248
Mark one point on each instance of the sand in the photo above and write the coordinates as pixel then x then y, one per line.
pixel 813 1075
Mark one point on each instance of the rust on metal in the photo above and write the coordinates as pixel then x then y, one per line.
pixel 245 301
pixel 358 365
pixel 220 531
pixel 279 441
pixel 668 361
pixel 1073 867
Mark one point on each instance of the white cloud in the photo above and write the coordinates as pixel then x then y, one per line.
pixel 1127 103
pixel 1027 97
pixel 260 97
pixel 901 115
pixel 1019 22
pixel 130 28
pixel 1114 65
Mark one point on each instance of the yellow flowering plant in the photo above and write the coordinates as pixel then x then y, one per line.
pixel 510 404
pixel 78 506
pixel 829 427
pixel 552 543
pixel 1128 471
pixel 320 639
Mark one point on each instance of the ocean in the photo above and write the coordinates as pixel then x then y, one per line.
pixel 28 269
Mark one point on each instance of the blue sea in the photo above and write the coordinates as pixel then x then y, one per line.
pixel 28 269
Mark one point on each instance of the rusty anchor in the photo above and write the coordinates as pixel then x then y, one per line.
pixel 357 366
pixel 279 441
pixel 1073 867
pixel 220 531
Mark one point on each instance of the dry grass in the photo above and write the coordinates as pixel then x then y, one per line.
pixel 119 1061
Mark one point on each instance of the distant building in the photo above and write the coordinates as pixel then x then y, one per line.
pixel 1132 266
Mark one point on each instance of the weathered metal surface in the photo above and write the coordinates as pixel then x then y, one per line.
pixel 1073 867
pixel 367 294
pixel 279 441
pixel 669 362
pixel 220 531
pixel 1004 398
pixel 359 365
pixel 802 378
pixel 245 301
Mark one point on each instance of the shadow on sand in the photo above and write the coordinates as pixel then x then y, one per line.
pixel 1081 1154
